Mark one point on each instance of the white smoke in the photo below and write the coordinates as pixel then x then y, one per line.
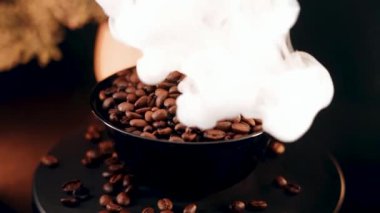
pixel 235 56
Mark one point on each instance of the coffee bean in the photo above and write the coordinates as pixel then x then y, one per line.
pixel 104 200
pixel 258 204
pixel 148 210
pixel 112 160
pixel 113 207
pixel 214 134
pixel 141 102
pixel 106 174
pixel 148 135
pixel 127 180
pixel 113 117
pixel 82 193
pixel 149 88
pixel 190 208
pixel 169 102
pixel 280 181
pixel 91 136
pixel 116 167
pixel 109 91
pixel 172 110
pixel 293 189
pixel 140 93
pixel 240 128
pixel 130 129
pixel 174 95
pixel 69 201
pixel 121 83
pixel 131 98
pixel 133 115
pixel 223 125
pixel 237 119
pixel 179 127
pixel 165 85
pixel 140 123
pixel 49 161
pixel 164 131
pixel 115 179
pixel 159 115
pixel 164 204
pixel 249 121
pixel 142 110
pixel 188 136
pixel 106 147
pixel 102 95
pixel 174 138
pixel 238 136
pixel 258 128
pixel 125 106
pixel 159 124
pixel 108 188
pixel 122 96
pixel 108 102
pixel 277 147
pixel 86 162
pixel 92 154
pixel 161 94
pixel 123 199
pixel 71 186
pixel 174 76
pixel 237 206
pixel 130 90
pixel 148 128
pixel 134 78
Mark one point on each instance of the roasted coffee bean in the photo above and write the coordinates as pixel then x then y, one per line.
pixel 142 110
pixel 148 128
pixel 108 188
pixel 165 85
pixel 113 117
pixel 161 94
pixel 134 78
pixel 179 127
pixel 130 129
pixel 172 110
pixel 108 102
pixel 258 204
pixel 140 93
pixel 277 147
pixel 188 136
pixel 140 85
pixel 95 128
pixel 140 123
pixel 126 180
pixel 148 135
pixel 113 207
pixel 86 162
pixel 125 106
pixel 173 89
pixel 109 91
pixel 249 121
pixel 169 102
pixel 69 201
pixel 82 193
pixel 122 96
pixel 91 136
pixel 159 124
pixel 49 161
pixel 124 120
pixel 133 115
pixel 71 186
pixel 164 131
pixel 174 95
pixel 174 138
pixel 293 189
pixel 160 115
pixel 174 76
pixel 106 174
pixel 149 88
pixel 237 119
pixel 258 128
pixel 238 136
pixel 148 210
pixel 280 181
pixel 240 128
pixel 148 116
pixel 112 160
pixel 190 208
pixel 115 179
pixel 121 83
pixel 142 102
pixel 123 199
pixel 115 168
pixel 106 147
pixel 104 200
pixel 237 206
pixel 214 134
pixel 102 95
pixel 223 125
pixel 92 154
pixel 164 204
pixel 131 98
pixel 130 90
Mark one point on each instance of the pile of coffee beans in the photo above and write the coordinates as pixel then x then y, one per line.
pixel 150 111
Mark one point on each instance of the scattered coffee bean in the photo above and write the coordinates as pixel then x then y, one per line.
pixel 69 201
pixel 164 204
pixel 190 208
pixel 71 186
pixel 148 210
pixel 49 161
pixel 106 147
pixel 115 179
pixel 86 162
pixel 104 200
pixel 237 206
pixel 108 188
pixel 293 189
pixel 113 207
pixel 277 147
pixel 82 193
pixel 123 199
pixel 280 181
pixel 258 204
pixel 92 154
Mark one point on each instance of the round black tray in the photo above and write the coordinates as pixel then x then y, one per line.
pixel 318 173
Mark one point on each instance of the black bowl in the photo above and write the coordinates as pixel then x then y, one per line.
pixel 187 168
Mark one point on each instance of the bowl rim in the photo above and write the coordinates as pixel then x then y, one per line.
pixel 98 115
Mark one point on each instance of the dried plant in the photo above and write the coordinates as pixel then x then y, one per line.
pixel 34 28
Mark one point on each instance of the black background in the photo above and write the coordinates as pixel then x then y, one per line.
pixel 342 35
